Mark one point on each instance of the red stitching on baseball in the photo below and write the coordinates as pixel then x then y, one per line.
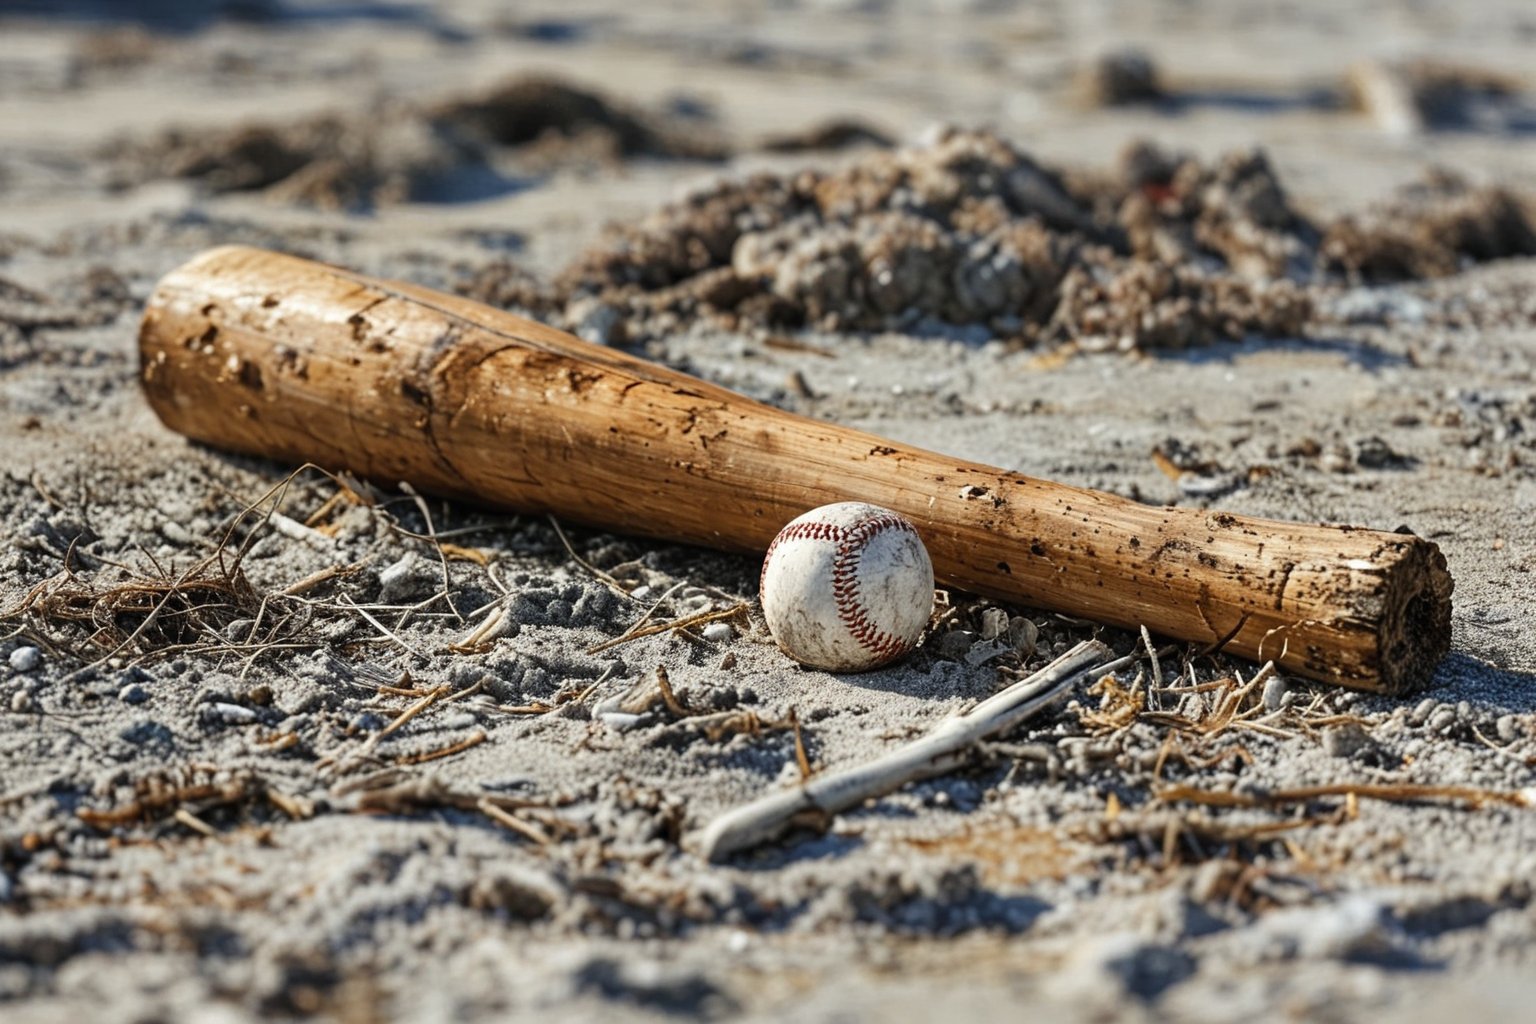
pixel 799 531
pixel 845 587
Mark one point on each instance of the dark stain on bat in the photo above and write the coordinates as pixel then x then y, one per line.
pixel 250 375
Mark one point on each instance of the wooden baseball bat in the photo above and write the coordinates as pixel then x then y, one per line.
pixel 280 357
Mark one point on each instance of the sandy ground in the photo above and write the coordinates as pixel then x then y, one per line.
pixel 210 820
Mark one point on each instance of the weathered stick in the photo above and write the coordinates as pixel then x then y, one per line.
pixel 292 360
pixel 942 750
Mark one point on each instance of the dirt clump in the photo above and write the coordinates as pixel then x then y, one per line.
pixel 554 117
pixel 967 229
pixel 396 152
pixel 1117 79
pixel 1430 229
pixel 328 161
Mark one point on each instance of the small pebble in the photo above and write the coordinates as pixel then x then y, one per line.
pixel 1443 719
pixel 994 623
pixel 1023 634
pixel 1508 728
pixel 231 714
pixel 176 533
pixel 238 630
pixel 1422 711
pixel 21 701
pixel 25 659
pixel 718 632
pixel 619 721
pixel 133 693
pixel 404 578
pixel 1345 740
pixel 1275 692
pixel 728 661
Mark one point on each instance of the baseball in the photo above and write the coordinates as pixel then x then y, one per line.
pixel 847 587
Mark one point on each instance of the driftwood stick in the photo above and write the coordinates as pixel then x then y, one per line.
pixel 280 357
pixel 943 750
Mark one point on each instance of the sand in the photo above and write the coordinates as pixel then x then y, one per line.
pixel 211 818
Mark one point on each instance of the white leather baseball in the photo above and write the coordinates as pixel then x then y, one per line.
pixel 847 587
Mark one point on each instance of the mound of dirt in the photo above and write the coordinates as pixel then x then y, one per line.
pixel 1430 229
pixel 550 115
pixel 328 161
pixel 397 152
pixel 968 229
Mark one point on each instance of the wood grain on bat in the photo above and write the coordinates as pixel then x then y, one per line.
pixel 280 357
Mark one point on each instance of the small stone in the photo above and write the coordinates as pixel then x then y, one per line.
pixel 994 623
pixel 1117 79
pixel 620 721
pixel 1442 721
pixel 1023 634
pixel 238 631
pixel 231 714
pixel 728 661
pixel 1507 728
pixel 176 533
pixel 133 693
pixel 1275 692
pixel 718 632
pixel 25 659
pixel 1345 740
pixel 21 702
pixel 1421 712
pixel 595 321
pixel 407 579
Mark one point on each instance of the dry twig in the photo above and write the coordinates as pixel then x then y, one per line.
pixel 942 750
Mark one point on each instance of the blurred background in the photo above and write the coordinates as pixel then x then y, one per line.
pixel 467 105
